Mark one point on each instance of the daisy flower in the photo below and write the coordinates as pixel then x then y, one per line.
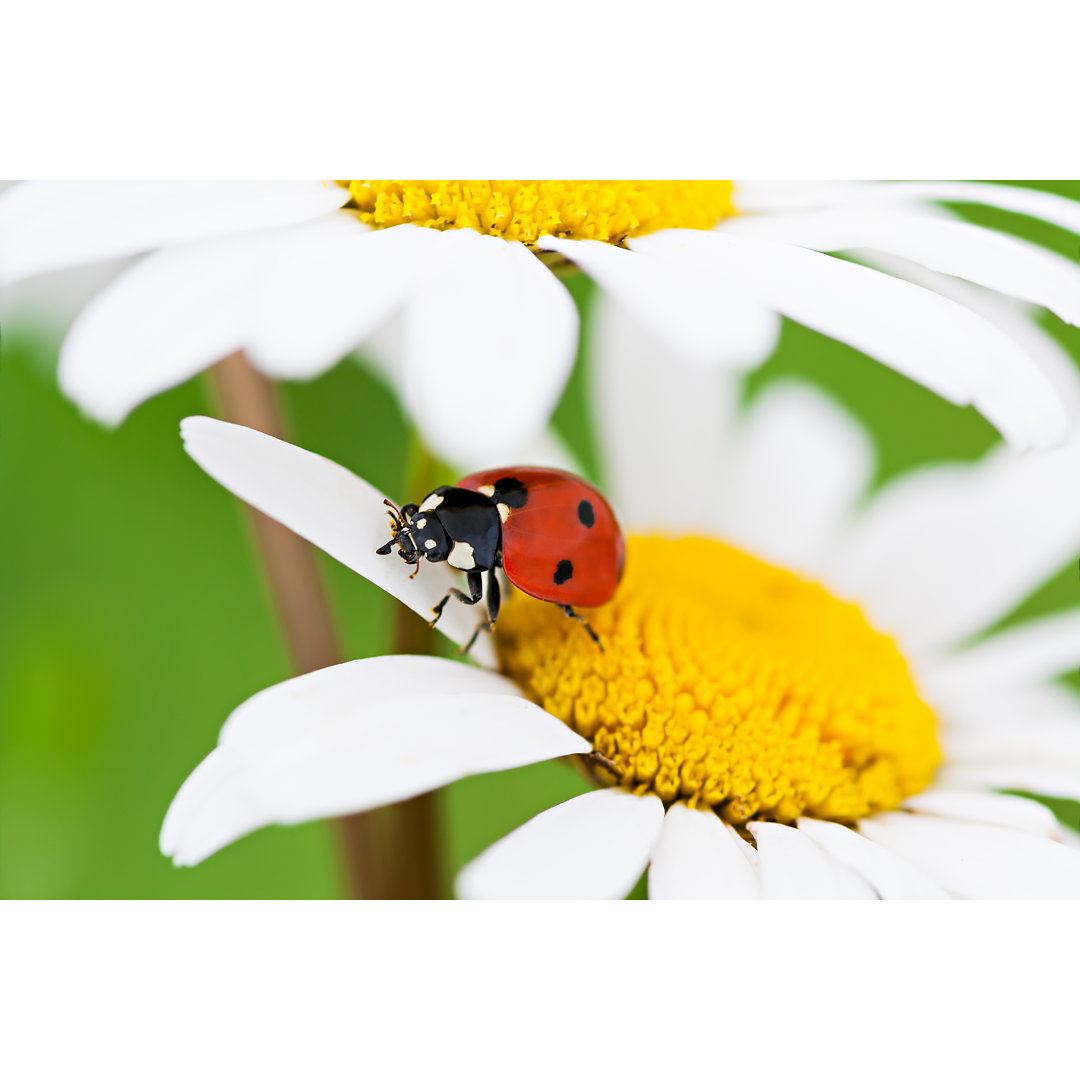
pixel 795 710
pixel 299 274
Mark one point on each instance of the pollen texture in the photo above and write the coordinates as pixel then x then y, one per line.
pixel 727 682
pixel 608 210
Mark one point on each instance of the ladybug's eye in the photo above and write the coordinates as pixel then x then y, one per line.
pixel 729 683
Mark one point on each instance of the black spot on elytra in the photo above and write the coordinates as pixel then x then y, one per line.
pixel 564 571
pixel 510 491
pixel 585 513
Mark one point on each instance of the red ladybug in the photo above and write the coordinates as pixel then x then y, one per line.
pixel 553 534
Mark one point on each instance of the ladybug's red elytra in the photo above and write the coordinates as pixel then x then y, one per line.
pixel 553 534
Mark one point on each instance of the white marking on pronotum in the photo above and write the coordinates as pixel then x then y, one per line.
pixel 462 556
pixel 487 489
pixel 504 512
pixel 420 523
pixel 429 544
pixel 431 502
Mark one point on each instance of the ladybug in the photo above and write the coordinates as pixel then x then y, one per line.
pixel 553 534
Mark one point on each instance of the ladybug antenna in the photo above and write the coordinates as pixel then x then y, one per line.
pixel 397 519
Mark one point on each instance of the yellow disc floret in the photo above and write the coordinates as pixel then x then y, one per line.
pixel 608 210
pixel 727 682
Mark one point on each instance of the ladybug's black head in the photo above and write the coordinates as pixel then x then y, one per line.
pixel 417 535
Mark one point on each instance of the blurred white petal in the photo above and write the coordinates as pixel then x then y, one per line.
pixel 1031 652
pixel 707 322
pixel 1016 318
pixel 353 737
pixel 793 867
pixel 331 507
pixel 980 861
pixel 989 808
pixel 593 847
pixel 698 857
pixel 984 256
pixel 941 344
pixel 489 343
pixel 890 876
pixel 664 425
pixel 171 315
pixel 799 467
pixel 946 551
pixel 52 224
pixel 326 301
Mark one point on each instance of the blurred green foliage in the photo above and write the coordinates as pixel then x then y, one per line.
pixel 133 618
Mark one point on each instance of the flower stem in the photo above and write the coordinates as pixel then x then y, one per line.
pixel 389 853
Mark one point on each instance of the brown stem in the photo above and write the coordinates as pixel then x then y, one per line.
pixel 389 853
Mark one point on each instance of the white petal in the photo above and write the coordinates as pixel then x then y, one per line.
pixel 664 425
pixel 593 847
pixel 51 224
pixel 171 315
pixel 765 196
pixel 332 508
pixel 799 468
pixel 989 808
pixel 983 256
pixel 1055 209
pixel 889 876
pixel 1014 317
pixel 1029 653
pixel 945 551
pixel 698 857
pixel 707 322
pixel 921 334
pixel 549 449
pixel 1061 783
pixel 793 867
pixel 489 344
pixel 352 737
pixel 326 301
pixel 979 861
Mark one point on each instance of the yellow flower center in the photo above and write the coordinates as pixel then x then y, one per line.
pixel 608 210
pixel 730 683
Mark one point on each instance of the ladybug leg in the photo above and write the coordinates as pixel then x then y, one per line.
pixel 568 611
pixel 475 580
pixel 493 601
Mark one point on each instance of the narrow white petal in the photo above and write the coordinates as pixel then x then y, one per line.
pixel 983 256
pixel 1055 209
pixel 1032 652
pixel 941 344
pixel 706 322
pixel 665 425
pixel 698 857
pixel 171 315
pixel 945 551
pixel 489 344
pixel 989 808
pixel 593 847
pixel 332 508
pixel 770 196
pixel 327 300
pixel 1058 782
pixel 352 737
pixel 795 195
pixel 548 449
pixel 799 468
pixel 793 867
pixel 1013 317
pixel 890 876
pixel 979 861
pixel 51 224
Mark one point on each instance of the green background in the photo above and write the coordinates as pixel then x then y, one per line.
pixel 133 618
